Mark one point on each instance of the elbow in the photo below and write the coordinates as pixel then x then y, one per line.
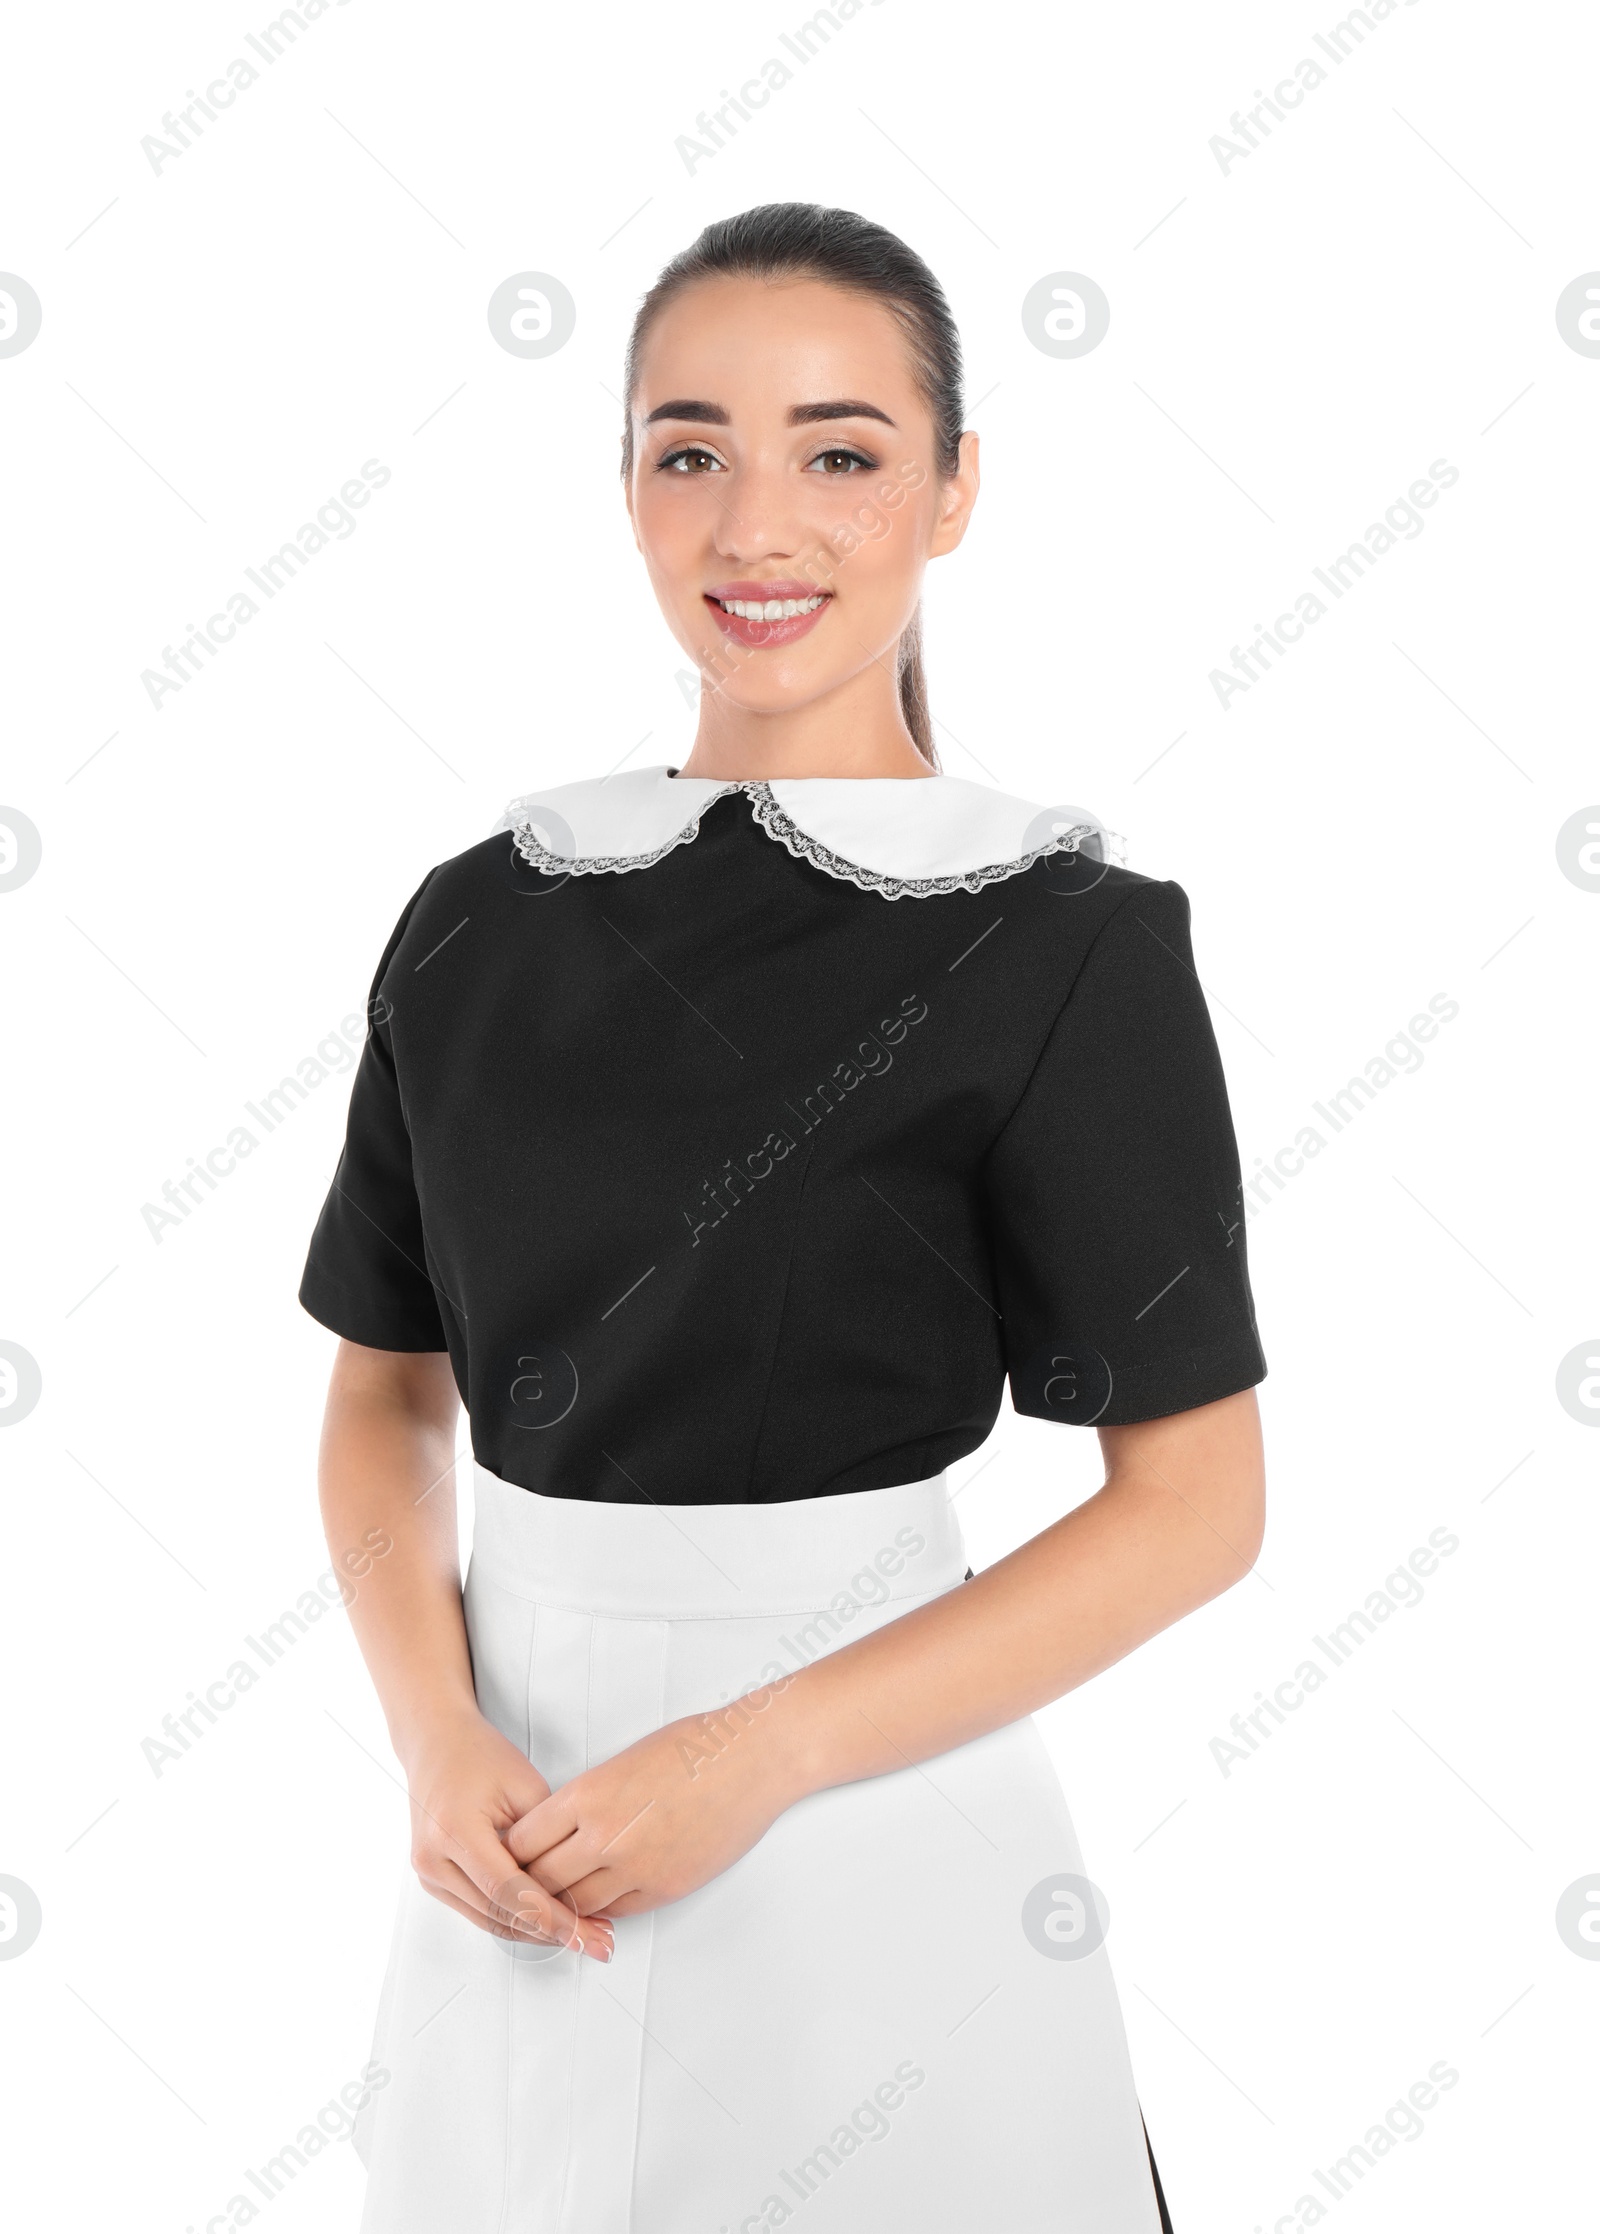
pixel 1237 1500
pixel 1201 1477
pixel 1251 1527
pixel 1238 1514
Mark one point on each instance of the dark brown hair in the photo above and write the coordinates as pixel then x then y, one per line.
pixel 794 240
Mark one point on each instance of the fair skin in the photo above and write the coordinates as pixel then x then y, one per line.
pixel 751 486
pixel 747 494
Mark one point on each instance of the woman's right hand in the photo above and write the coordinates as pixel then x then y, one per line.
pixel 469 1784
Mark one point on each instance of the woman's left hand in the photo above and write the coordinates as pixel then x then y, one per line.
pixel 658 1819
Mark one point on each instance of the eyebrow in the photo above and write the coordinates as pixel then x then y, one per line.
pixel 802 415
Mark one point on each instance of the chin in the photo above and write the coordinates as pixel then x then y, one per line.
pixel 775 693
pixel 762 682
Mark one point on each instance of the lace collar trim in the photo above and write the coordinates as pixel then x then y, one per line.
pixel 901 838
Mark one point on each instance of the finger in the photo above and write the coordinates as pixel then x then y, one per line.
pixel 543 1826
pixel 442 1877
pixel 562 1865
pixel 632 1904
pixel 523 1789
pixel 437 1890
pixel 595 1893
pixel 484 1859
pixel 432 1847
pixel 503 1921
pixel 437 1874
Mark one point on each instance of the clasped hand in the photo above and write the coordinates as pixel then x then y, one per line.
pixel 658 1819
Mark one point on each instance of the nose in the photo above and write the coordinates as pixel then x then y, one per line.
pixel 761 517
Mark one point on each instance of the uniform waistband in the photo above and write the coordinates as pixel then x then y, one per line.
pixel 677 1562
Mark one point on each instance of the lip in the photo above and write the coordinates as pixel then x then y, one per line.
pixel 765 635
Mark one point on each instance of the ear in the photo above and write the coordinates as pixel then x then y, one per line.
pixel 957 496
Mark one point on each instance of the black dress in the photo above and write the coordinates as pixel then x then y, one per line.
pixel 744 1184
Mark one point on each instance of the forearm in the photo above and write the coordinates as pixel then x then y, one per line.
pixel 1177 1522
pixel 386 1476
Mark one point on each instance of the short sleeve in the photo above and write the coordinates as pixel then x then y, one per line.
pixel 366 1272
pixel 1114 1197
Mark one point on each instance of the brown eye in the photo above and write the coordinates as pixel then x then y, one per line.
pixel 834 462
pixel 690 459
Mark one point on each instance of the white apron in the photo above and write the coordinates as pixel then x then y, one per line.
pixel 880 2018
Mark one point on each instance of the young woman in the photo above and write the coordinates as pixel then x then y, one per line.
pixel 725 1137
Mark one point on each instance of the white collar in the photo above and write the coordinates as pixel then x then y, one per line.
pixel 897 836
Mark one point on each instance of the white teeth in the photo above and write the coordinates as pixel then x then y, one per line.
pixel 771 609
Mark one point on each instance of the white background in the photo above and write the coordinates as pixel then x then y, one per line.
pixel 1292 342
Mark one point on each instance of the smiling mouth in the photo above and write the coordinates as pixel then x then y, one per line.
pixel 767 623
pixel 767 609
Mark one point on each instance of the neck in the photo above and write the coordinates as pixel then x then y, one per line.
pixel 857 730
